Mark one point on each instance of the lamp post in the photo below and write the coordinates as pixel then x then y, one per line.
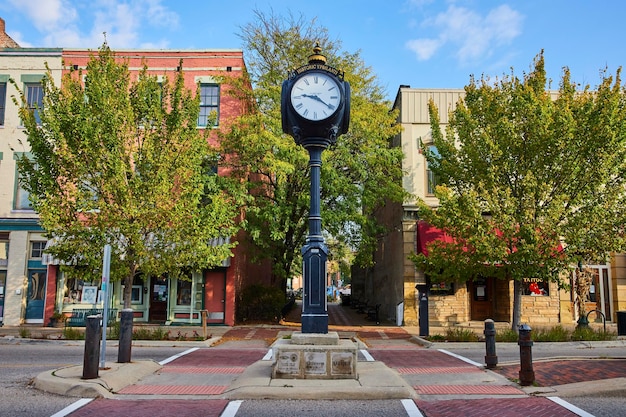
pixel 315 110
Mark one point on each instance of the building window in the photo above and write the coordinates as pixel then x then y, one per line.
pixel 183 293
pixel 442 288
pixel 3 97
pixel 535 286
pixel 431 179
pixel 22 201
pixel 34 99
pixel 36 249
pixel 209 104
pixel 4 249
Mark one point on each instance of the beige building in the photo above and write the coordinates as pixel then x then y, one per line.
pixel 23 280
pixel 394 282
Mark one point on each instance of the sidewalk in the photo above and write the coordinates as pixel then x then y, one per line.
pixel 235 364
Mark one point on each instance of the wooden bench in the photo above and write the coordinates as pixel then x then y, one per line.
pixel 79 315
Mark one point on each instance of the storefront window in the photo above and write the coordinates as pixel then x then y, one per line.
pixel 183 292
pixel 78 291
pixel 442 288
pixel 136 295
pixel 535 287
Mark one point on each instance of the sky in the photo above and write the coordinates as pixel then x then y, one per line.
pixel 421 43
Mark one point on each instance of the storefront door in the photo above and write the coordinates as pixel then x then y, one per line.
pixel 481 298
pixel 3 278
pixel 159 290
pixel 215 296
pixel 36 296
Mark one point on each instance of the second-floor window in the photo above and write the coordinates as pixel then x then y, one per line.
pixel 34 99
pixel 36 249
pixel 209 104
pixel 431 179
pixel 3 98
pixel 22 201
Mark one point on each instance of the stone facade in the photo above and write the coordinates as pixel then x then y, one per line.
pixel 460 305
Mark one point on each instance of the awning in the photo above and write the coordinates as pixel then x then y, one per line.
pixel 427 233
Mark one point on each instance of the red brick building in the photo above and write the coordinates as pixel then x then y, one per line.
pixel 160 299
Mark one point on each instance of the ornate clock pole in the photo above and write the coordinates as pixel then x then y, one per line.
pixel 315 109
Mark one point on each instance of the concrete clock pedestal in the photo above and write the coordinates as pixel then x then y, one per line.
pixel 315 356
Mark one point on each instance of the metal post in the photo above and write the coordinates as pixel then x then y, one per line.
pixel 423 314
pixel 126 335
pixel 315 252
pixel 526 373
pixel 106 268
pixel 92 347
pixel 491 359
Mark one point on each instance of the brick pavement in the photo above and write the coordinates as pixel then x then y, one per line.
pixel 196 374
pixel 501 407
pixel 153 408
pixel 560 372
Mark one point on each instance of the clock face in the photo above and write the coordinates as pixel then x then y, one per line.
pixel 315 96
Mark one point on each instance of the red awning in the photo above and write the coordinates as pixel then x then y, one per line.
pixel 427 233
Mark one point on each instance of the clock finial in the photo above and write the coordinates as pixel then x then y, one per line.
pixel 317 57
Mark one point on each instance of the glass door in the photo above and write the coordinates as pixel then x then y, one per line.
pixel 3 279
pixel 36 296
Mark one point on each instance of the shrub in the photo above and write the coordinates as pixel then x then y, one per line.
pixel 71 333
pixel 587 333
pixel 506 335
pixel 461 335
pixel 24 333
pixel 146 333
pixel 553 334
pixel 260 303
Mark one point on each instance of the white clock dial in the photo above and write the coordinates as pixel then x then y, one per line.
pixel 315 96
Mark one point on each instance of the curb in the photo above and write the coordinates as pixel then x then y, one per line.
pixel 68 381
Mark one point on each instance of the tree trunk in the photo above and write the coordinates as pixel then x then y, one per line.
pixel 517 305
pixel 128 291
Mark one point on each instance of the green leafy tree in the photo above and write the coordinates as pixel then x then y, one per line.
pixel 359 174
pixel 120 161
pixel 532 180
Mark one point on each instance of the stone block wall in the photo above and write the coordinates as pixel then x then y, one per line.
pixel 542 310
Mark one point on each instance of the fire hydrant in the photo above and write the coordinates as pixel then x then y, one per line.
pixel 526 373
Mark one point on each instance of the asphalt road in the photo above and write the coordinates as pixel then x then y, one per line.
pixel 21 360
pixel 508 353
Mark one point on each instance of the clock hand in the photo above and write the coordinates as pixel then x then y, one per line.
pixel 316 98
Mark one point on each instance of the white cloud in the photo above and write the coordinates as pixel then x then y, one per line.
pixel 46 15
pixel 82 23
pixel 424 48
pixel 472 36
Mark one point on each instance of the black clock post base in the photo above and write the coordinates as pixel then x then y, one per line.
pixel 315 323
pixel 314 307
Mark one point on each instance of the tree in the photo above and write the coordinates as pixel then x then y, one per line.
pixel 532 182
pixel 359 174
pixel 121 162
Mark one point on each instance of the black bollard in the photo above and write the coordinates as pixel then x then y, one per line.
pixel 93 332
pixel 423 312
pixel 126 335
pixel 526 373
pixel 491 359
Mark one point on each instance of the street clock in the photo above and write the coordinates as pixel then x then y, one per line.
pixel 315 101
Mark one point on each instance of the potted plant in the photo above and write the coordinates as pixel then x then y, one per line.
pixel 57 319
